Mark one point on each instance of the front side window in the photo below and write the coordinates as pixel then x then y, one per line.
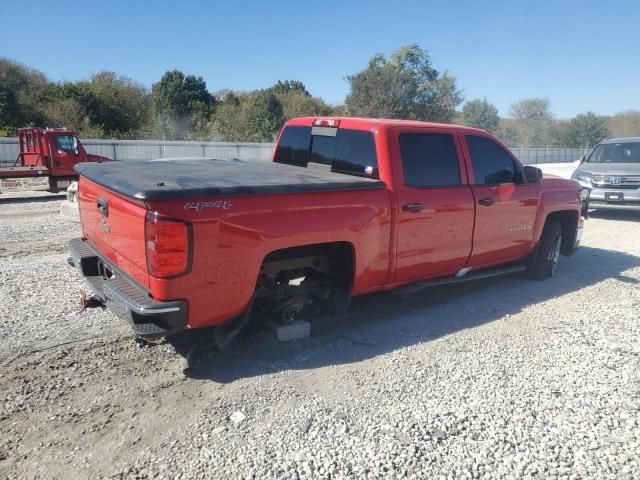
pixel 429 159
pixel 491 164
pixel 616 153
pixel 66 143
pixel 351 152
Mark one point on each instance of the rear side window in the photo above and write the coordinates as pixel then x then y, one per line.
pixel 429 159
pixel 350 152
pixel 491 164
pixel 293 147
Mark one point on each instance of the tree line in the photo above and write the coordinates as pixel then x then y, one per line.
pixel 179 106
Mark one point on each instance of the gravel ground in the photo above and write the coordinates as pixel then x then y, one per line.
pixel 508 378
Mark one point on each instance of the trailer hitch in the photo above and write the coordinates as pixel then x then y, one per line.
pixel 88 301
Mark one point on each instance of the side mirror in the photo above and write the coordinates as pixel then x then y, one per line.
pixel 583 159
pixel 532 174
pixel 76 152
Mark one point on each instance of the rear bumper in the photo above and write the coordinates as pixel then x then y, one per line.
pixel 125 298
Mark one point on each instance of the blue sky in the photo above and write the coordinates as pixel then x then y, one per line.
pixel 582 55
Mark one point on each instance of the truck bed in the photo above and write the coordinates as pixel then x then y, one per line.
pixel 157 180
pixel 11 172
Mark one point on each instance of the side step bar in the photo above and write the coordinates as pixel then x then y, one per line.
pixel 496 272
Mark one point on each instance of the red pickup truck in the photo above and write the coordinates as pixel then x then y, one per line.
pixel 348 206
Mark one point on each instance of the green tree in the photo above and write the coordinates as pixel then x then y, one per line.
pixel 381 91
pixel 24 92
pixel 229 122
pixel 533 122
pixel 179 102
pixel 297 104
pixel 584 131
pixel 288 86
pixel 625 124
pixel 339 110
pixel 66 112
pixel 481 114
pixel 403 86
pixel 9 107
pixel 115 102
pixel 264 116
pixel 507 132
pixel 69 104
pixel 296 100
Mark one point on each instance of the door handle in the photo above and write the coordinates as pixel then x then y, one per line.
pixel 103 206
pixel 412 207
pixel 487 202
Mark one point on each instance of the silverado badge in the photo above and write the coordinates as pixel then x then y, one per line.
pixel 104 226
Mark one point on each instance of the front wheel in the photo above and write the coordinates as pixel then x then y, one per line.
pixel 545 261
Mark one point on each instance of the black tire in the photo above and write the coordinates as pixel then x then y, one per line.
pixel 545 260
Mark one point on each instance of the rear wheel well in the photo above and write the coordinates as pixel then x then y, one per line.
pixel 568 220
pixel 318 274
pixel 335 257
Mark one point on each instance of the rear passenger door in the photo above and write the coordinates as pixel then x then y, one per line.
pixel 506 205
pixel 435 203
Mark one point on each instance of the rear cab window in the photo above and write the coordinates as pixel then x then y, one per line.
pixel 350 152
pixel 293 147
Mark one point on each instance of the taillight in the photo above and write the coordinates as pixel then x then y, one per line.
pixel 169 246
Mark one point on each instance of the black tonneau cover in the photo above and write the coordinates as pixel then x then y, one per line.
pixel 167 179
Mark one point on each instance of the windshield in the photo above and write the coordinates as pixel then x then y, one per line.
pixel 616 153
pixel 66 143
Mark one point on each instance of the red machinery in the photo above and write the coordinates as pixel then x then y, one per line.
pixel 46 160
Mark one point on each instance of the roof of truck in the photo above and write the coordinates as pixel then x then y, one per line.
pixel 47 130
pixel 357 123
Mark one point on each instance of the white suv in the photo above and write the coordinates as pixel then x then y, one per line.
pixel 612 173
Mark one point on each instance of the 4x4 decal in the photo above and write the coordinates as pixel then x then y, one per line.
pixel 200 206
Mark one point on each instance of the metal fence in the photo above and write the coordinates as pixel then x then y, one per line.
pixel 150 149
pixel 532 156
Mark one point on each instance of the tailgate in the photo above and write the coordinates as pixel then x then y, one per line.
pixel 114 226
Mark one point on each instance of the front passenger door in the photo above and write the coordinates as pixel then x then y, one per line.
pixel 506 206
pixel 65 154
